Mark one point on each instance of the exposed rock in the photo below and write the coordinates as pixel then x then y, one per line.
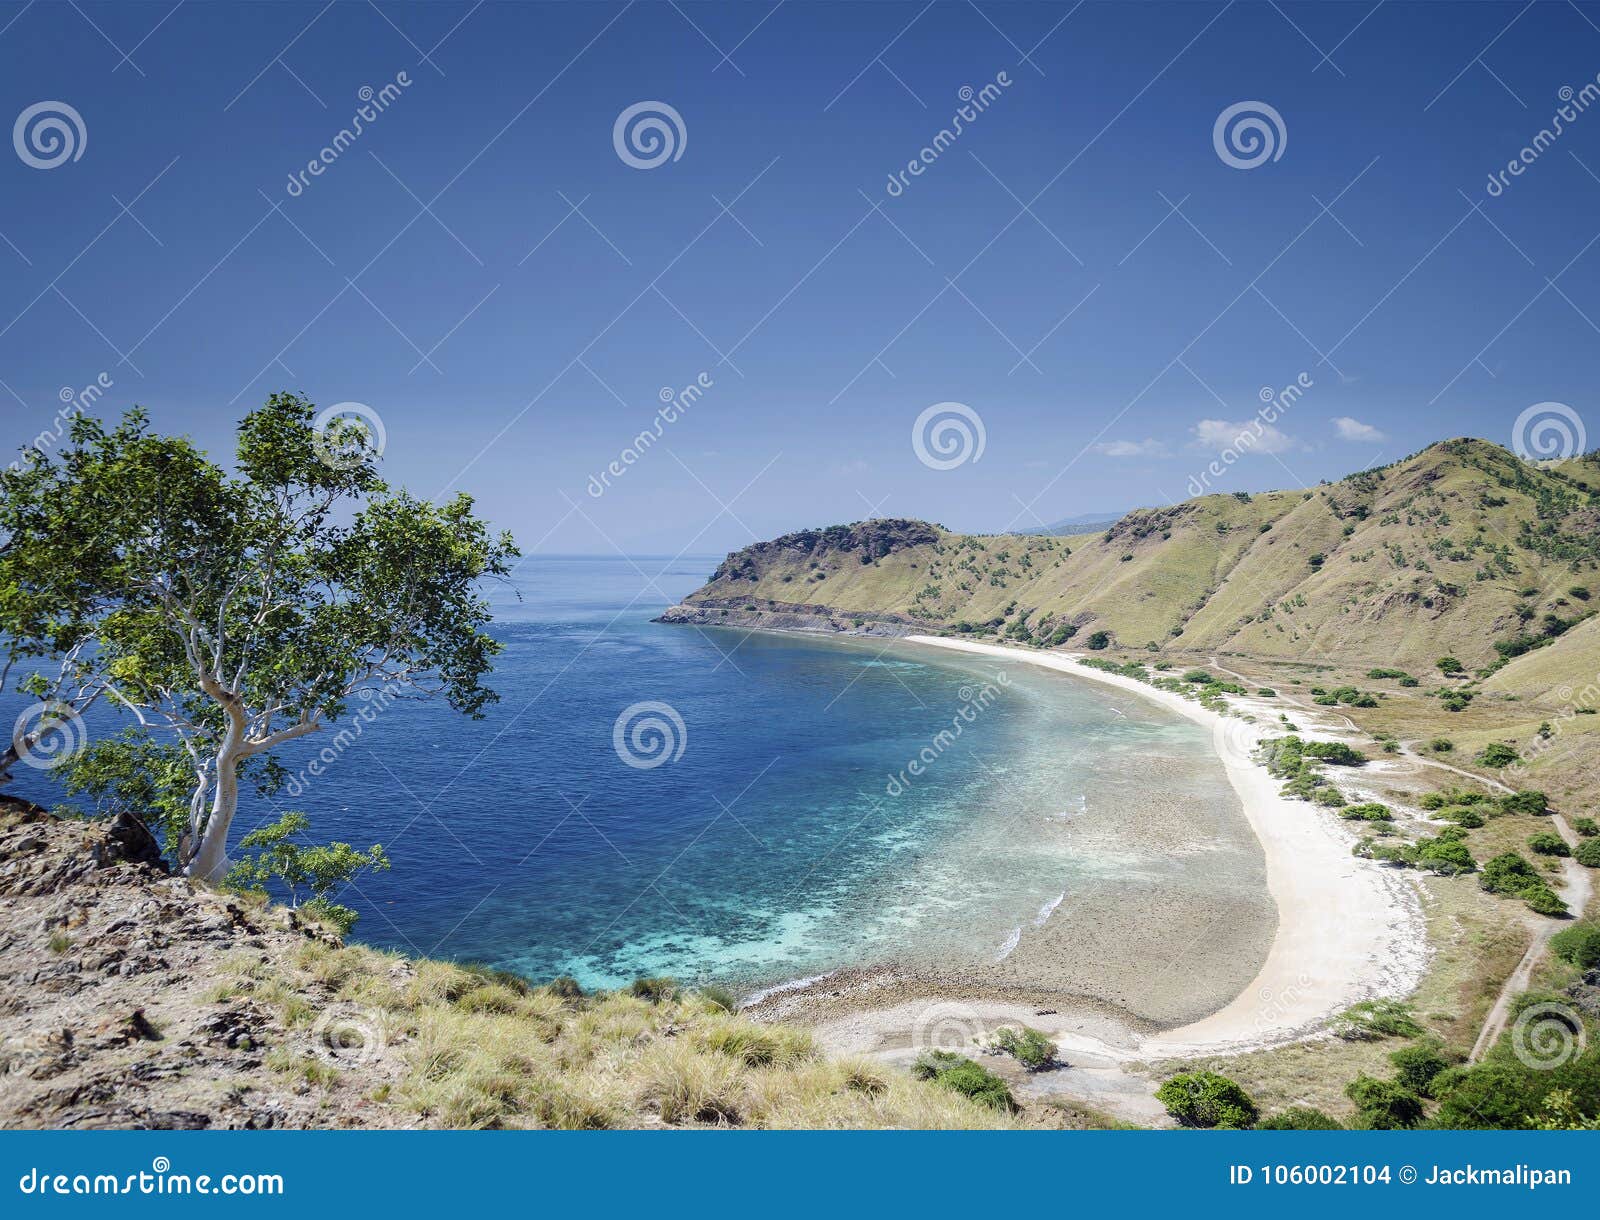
pixel 114 978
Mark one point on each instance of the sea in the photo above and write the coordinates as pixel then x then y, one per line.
pixel 748 808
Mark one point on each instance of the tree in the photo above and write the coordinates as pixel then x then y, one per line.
pixel 1383 1105
pixel 1206 1099
pixel 318 870
pixel 230 614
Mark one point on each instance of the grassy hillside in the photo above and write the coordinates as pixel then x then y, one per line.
pixel 134 999
pixel 1462 549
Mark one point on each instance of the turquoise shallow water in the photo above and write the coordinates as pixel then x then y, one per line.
pixel 769 848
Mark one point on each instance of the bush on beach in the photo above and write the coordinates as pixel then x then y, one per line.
pixel 1207 1099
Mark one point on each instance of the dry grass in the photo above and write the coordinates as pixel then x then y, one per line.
pixel 464 1048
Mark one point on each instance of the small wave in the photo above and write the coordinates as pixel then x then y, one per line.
pixel 1009 947
pixel 766 993
pixel 1049 909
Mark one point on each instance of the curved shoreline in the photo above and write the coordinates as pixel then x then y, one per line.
pixel 1347 929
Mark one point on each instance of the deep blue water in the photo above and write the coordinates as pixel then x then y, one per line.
pixel 769 848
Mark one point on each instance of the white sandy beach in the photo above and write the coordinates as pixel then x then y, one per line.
pixel 1347 929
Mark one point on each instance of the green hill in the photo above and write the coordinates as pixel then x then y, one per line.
pixel 1462 549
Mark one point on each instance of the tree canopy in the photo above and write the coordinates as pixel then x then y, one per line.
pixel 229 612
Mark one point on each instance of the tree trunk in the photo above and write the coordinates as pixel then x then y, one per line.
pixel 210 861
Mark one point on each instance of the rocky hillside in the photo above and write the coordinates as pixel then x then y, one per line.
pixel 130 998
pixel 1461 549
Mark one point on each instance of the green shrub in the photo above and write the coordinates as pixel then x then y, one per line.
pixel 564 986
pixel 1205 1099
pixel 1371 1019
pixel 1300 1118
pixel 1588 853
pixel 1449 665
pixel 1462 815
pixel 961 1075
pixel 1198 675
pixel 1370 812
pixel 719 997
pixel 1445 854
pixel 1509 873
pixel 1027 1046
pixel 1542 900
pixel 1529 800
pixel 1416 1067
pixel 1099 640
pixel 1266 692
pixel 1497 754
pixel 1586 827
pixel 1336 752
pixel 1441 745
pixel 1503 1093
pixel 1548 843
pixel 655 990
pixel 1580 946
pixel 1383 1105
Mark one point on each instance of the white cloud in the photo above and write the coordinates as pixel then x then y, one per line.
pixel 1251 436
pixel 1130 449
pixel 1354 430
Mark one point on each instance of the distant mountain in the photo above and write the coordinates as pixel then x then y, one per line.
pixel 1462 549
pixel 1085 523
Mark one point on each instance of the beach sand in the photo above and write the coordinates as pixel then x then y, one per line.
pixel 1347 930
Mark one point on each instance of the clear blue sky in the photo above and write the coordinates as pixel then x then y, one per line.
pixel 826 327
